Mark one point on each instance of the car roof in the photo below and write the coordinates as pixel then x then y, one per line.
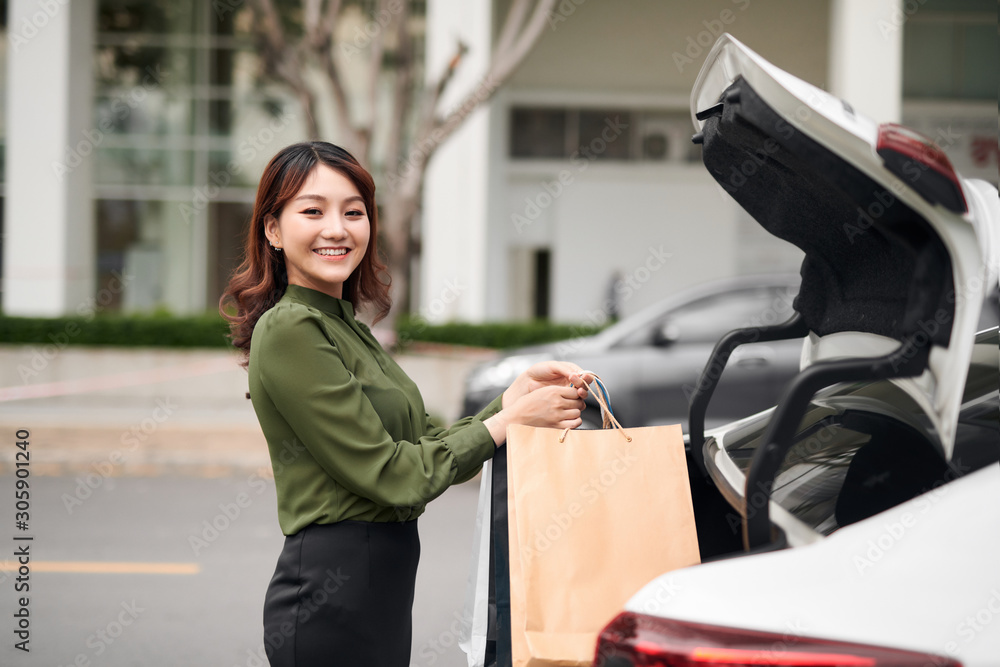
pixel 657 310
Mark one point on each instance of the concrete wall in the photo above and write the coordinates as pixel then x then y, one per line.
pixel 624 217
pixel 657 46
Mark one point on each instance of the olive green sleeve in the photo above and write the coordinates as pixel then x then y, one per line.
pixel 304 375
pixel 487 412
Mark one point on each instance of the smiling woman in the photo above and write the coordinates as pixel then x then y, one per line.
pixel 365 457
pixel 324 232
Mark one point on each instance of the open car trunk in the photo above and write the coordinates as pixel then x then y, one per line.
pixel 899 252
pixel 892 254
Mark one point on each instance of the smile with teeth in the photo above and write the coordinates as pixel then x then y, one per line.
pixel 331 251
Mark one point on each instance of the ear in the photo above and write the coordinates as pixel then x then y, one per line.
pixel 272 230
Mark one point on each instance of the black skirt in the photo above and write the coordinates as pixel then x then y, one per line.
pixel 342 594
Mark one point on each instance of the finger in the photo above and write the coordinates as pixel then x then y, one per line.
pixel 570 423
pixel 569 393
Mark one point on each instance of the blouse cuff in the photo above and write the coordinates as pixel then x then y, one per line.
pixel 494 407
pixel 471 447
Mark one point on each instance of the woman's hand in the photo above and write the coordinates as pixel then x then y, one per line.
pixel 546 374
pixel 551 406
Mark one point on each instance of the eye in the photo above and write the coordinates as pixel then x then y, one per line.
pixel 312 211
pixel 356 212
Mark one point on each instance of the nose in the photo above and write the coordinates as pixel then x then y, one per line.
pixel 334 228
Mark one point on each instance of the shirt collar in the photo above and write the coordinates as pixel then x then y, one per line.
pixel 325 303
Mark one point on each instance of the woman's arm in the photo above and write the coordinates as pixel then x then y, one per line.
pixel 304 375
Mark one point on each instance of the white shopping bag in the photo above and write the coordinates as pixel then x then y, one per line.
pixel 475 619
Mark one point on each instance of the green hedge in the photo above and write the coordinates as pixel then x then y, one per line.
pixel 500 335
pixel 210 330
pixel 158 330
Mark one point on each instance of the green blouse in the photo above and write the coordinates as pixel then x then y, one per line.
pixel 345 426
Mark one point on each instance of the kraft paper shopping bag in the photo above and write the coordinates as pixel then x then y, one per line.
pixel 592 517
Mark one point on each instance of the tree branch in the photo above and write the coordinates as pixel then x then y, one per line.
pixel 512 25
pixel 375 70
pixel 270 34
pixel 321 43
pixel 502 66
pixel 403 88
pixel 280 61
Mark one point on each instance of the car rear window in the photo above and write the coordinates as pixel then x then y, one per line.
pixel 865 447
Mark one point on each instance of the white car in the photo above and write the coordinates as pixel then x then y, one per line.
pixel 868 499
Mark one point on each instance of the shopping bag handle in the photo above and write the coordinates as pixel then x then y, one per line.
pixel 604 401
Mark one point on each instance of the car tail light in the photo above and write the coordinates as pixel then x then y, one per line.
pixel 922 164
pixel 637 640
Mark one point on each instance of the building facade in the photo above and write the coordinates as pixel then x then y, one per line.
pixel 577 190
pixel 134 131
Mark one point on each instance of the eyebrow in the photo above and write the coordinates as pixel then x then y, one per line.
pixel 323 199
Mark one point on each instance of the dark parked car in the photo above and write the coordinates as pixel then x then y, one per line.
pixel 651 361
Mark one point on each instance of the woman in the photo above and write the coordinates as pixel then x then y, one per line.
pixel 355 457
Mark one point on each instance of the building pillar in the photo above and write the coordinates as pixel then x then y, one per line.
pixel 866 56
pixel 455 253
pixel 49 248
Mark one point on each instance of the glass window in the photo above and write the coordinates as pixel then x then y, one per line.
pixel 951 51
pixel 605 135
pixel 143 166
pixel 538 133
pixel 128 245
pixel 980 58
pixel 143 16
pixel 230 222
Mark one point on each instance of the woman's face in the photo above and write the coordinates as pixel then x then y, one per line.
pixel 323 232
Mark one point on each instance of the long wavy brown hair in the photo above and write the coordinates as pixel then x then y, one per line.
pixel 260 280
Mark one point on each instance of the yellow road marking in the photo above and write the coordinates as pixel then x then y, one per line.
pixel 101 567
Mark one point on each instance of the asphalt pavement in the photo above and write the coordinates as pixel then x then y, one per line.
pixel 146 493
pixel 171 571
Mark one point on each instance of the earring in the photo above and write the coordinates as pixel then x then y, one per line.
pixel 276 247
